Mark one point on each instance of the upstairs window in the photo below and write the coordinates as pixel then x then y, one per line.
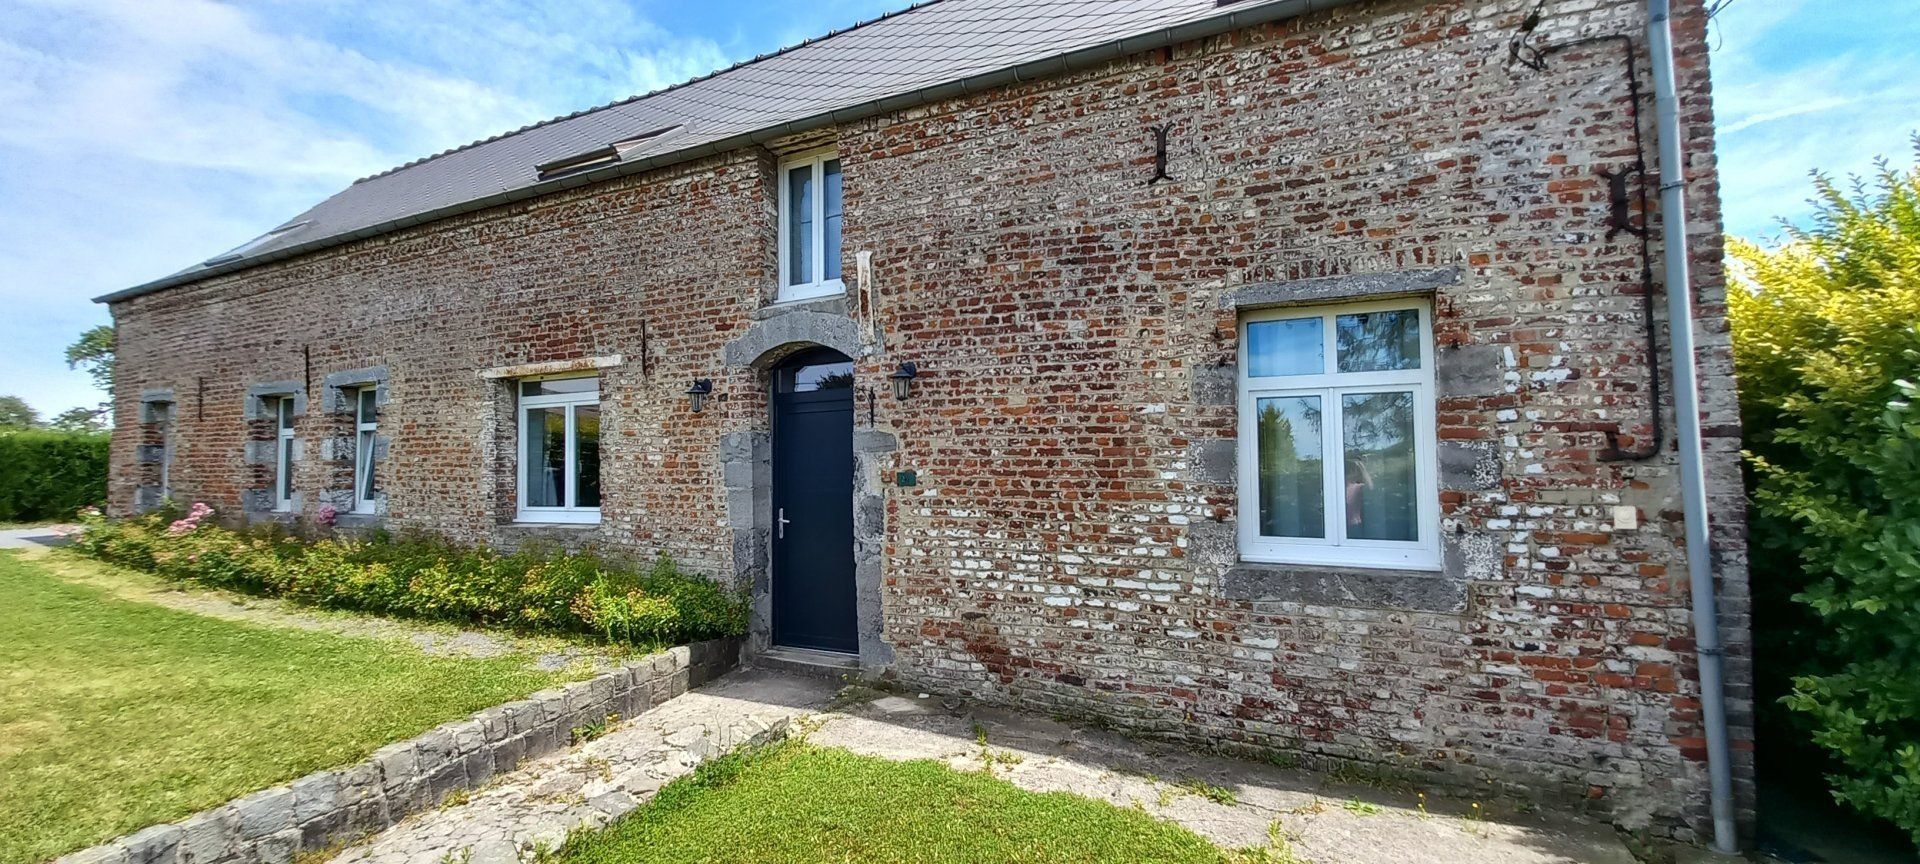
pixel 366 428
pixel 560 450
pixel 283 454
pixel 810 217
pixel 1337 436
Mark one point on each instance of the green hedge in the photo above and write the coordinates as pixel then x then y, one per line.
pixel 427 577
pixel 1827 346
pixel 49 475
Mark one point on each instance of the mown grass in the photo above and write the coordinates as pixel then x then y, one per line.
pixel 795 802
pixel 116 714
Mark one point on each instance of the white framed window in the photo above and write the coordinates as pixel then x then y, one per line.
pixel 810 217
pixel 559 450
pixel 283 454
pixel 366 429
pixel 1337 449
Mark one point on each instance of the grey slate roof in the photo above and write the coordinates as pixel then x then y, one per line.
pixel 933 50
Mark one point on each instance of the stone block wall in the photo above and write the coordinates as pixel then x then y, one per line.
pixel 1069 543
pixel 325 808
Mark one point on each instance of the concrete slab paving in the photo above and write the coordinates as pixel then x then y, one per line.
pixel 36 536
pixel 519 814
pixel 1234 803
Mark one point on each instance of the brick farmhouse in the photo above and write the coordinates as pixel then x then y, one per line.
pixel 1272 375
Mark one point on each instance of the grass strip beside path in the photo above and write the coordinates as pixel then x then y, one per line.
pixel 795 803
pixel 115 715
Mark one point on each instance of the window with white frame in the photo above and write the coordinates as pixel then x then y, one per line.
pixel 810 219
pixel 283 454
pixel 366 428
pixel 1337 436
pixel 560 450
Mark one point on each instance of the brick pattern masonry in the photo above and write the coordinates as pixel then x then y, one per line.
pixel 329 807
pixel 1068 543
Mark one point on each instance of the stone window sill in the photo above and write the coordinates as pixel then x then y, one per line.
pixel 1354 587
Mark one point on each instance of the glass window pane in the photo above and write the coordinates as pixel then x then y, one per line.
pixel 586 455
pixel 800 225
pixel 1292 473
pixel 821 376
pixel 830 203
pixel 1291 347
pixel 1377 446
pixel 286 412
pixel 558 386
pixel 364 462
pixel 286 469
pixel 1378 341
pixel 546 457
pixel 367 410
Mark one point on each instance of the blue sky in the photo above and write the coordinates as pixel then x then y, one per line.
pixel 138 136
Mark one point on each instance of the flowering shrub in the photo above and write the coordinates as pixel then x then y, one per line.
pixel 426 577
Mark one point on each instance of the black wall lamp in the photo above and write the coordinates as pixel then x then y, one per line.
pixel 902 379
pixel 698 393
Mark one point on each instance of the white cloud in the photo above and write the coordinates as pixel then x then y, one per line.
pixel 138 136
pixel 1801 87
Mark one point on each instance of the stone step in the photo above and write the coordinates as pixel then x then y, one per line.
pixel 808 662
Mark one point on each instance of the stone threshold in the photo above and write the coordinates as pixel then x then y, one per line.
pixel 327 809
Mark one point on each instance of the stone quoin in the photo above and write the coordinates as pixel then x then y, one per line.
pixel 1280 385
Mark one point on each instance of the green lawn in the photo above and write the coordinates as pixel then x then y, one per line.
pixel 116 714
pixel 794 802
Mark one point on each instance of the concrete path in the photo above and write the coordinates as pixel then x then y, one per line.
pixel 37 536
pixel 532 809
pixel 1235 803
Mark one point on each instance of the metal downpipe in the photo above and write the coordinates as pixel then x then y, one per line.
pixel 1686 409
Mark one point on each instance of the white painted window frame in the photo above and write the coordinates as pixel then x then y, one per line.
pixel 365 445
pixel 283 454
pixel 819 285
pixel 567 513
pixel 1336 550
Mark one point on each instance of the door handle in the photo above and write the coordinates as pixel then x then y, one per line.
pixel 783 523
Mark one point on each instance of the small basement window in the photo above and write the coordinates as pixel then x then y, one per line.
pixel 560 450
pixel 1337 436
pixel 810 217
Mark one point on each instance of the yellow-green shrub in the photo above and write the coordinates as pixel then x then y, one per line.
pixel 1826 337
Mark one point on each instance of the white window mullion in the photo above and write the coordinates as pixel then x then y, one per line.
pixel 568 473
pixel 1333 424
pixel 817 169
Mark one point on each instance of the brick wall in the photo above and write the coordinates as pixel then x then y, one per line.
pixel 1069 544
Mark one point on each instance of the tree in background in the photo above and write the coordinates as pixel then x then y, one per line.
pixel 1826 335
pixel 16 414
pixel 78 420
pixel 93 351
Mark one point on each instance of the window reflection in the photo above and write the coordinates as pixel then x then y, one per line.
pixel 821 376
pixel 1292 490
pixel 1378 341
pixel 1377 446
pixel 1291 347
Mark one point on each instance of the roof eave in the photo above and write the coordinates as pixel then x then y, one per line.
pixel 1226 22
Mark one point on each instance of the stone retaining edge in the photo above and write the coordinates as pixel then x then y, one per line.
pixel 343 804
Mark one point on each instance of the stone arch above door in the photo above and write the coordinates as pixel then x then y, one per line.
pixel 771 340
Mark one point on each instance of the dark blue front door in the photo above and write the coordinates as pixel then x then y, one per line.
pixel 813 503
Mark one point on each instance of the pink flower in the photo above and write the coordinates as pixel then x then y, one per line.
pixel 199 511
pixel 327 514
pixel 181 527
